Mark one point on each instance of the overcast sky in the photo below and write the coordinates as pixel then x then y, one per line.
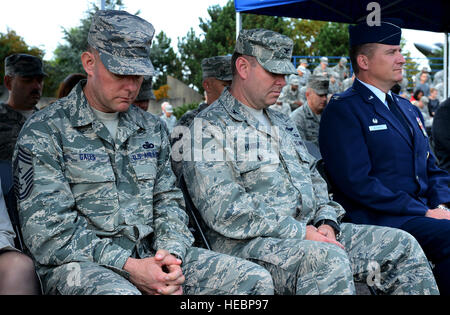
pixel 40 22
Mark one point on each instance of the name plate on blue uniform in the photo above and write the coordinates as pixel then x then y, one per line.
pixel 377 127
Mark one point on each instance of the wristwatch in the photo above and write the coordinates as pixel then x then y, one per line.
pixel 443 207
pixel 331 223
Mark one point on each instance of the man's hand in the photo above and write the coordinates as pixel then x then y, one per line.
pixel 157 275
pixel 324 233
pixel 438 213
pixel 327 231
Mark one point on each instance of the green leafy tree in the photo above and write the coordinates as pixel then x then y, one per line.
pixel 304 35
pixel 332 40
pixel 165 60
pixel 411 67
pixel 219 38
pixel 11 43
pixel 67 56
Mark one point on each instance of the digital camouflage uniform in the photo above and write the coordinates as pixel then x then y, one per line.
pixel 258 207
pixel 90 200
pixel 307 123
pixel 87 202
pixel 327 72
pixel 282 107
pixel 289 96
pixel 189 116
pixel 177 136
pixel 342 71
pixel 218 67
pixel 11 122
pixel 170 122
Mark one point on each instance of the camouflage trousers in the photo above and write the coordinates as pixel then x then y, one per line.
pixel 206 272
pixel 388 259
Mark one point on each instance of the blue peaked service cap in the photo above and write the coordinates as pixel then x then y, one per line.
pixel 389 33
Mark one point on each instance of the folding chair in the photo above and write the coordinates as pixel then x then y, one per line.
pixel 6 175
pixel 197 225
pixel 11 206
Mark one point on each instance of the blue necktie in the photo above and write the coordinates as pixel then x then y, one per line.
pixel 396 111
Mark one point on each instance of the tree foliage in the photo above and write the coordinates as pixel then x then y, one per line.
pixel 332 40
pixel 311 38
pixel 67 55
pixel 11 43
pixel 165 60
pixel 304 35
pixel 219 38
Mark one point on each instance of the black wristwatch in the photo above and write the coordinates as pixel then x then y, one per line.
pixel 331 223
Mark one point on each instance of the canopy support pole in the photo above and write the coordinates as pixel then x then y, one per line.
pixel 446 67
pixel 238 23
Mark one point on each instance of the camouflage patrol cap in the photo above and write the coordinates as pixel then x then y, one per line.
pixel 272 50
pixel 303 61
pixel 146 92
pixel 319 84
pixel 218 67
pixel 123 42
pixel 23 65
pixel 294 79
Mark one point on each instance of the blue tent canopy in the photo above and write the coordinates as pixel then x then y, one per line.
pixel 430 15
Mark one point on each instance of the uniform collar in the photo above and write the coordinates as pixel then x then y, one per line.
pixel 309 113
pixel 81 113
pixel 234 107
pixel 378 93
pixel 238 112
pixel 369 97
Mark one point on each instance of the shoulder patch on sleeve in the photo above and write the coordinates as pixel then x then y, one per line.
pixel 23 174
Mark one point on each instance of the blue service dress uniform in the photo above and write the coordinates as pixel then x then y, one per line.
pixel 382 173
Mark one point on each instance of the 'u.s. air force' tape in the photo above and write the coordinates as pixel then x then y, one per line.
pixel 23 178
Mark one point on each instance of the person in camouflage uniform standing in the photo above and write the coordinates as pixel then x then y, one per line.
pixel 266 201
pixel 24 79
pixel 216 76
pixel 99 209
pixel 307 117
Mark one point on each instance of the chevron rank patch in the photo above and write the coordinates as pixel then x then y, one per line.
pixel 23 175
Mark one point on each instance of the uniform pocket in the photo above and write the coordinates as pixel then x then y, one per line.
pixel 92 182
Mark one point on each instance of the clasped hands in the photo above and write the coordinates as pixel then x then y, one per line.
pixel 323 233
pixel 158 275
